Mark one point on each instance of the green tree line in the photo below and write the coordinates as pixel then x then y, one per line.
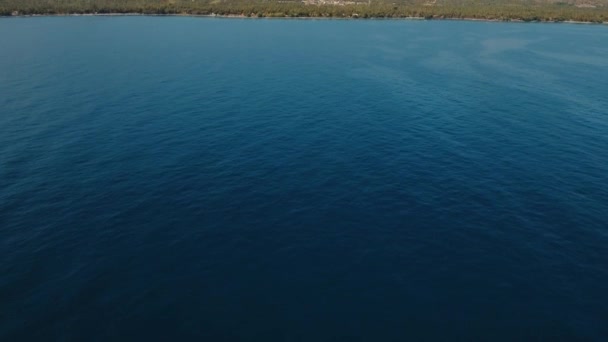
pixel 526 10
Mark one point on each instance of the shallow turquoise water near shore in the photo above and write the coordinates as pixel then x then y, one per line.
pixel 302 180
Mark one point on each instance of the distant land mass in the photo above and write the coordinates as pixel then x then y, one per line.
pixel 594 11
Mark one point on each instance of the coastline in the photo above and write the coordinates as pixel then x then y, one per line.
pixel 234 16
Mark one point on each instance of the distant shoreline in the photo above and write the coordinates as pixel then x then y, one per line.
pixel 234 16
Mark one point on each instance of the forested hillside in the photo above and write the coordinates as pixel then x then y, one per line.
pixel 526 10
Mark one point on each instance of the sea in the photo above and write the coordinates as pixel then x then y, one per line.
pixel 207 179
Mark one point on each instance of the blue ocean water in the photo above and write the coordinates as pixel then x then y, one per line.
pixel 302 180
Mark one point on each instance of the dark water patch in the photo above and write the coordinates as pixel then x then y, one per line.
pixel 302 180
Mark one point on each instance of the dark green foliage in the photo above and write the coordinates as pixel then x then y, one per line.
pixel 525 10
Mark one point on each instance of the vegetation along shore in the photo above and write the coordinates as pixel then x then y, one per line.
pixel 594 11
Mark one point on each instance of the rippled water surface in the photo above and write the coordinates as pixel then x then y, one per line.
pixel 302 180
